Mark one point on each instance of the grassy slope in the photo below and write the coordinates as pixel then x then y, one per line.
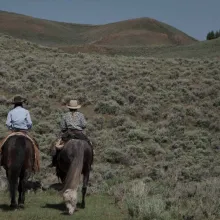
pixel 49 206
pixel 142 31
pixel 205 49
pixel 153 121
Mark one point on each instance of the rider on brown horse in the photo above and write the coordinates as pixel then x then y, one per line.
pixel 18 120
pixel 72 125
pixel 20 154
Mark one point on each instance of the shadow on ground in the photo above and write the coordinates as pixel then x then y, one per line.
pixel 5 207
pixel 59 206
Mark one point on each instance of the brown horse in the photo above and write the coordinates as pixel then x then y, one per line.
pixel 18 158
pixel 74 159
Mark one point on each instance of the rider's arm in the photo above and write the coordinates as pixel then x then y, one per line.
pixel 28 119
pixel 63 125
pixel 83 121
pixel 8 121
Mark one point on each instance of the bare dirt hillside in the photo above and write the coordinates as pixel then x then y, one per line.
pixel 141 31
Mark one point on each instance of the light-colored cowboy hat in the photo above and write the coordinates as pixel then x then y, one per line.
pixel 73 104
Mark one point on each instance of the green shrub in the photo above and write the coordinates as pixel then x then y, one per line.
pixel 138 134
pixel 3 99
pixel 115 155
pixel 143 206
pixel 43 127
pixel 4 111
pixel 107 107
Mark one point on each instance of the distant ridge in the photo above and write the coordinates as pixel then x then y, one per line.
pixel 133 32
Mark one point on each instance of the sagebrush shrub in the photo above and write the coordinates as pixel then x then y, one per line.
pixel 107 107
pixel 154 120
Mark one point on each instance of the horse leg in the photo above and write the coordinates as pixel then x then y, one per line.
pixel 21 188
pixel 61 175
pixel 20 191
pixel 12 179
pixel 84 187
pixel 13 196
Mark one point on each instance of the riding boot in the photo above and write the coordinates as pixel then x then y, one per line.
pixel 54 160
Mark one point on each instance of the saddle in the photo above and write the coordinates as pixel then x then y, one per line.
pixel 65 137
pixel 36 167
pixel 68 135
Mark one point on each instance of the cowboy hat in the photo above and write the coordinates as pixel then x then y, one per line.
pixel 18 99
pixel 73 104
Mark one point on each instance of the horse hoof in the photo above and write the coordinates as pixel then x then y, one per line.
pixel 21 206
pixel 13 206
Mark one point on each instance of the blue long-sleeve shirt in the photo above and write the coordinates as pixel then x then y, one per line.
pixel 19 118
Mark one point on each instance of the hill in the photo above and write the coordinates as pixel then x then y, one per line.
pixel 141 31
pixel 204 49
pixel 154 122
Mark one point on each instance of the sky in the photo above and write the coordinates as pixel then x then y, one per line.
pixel 194 17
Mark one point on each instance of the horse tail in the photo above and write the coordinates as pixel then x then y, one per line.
pixel 74 173
pixel 17 154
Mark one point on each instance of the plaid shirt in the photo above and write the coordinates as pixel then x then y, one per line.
pixel 74 120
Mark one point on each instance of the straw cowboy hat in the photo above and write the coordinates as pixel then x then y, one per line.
pixel 18 99
pixel 73 104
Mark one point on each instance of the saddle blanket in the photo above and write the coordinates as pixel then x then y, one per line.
pixel 36 150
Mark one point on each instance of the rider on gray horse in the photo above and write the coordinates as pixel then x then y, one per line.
pixel 73 122
pixel 72 125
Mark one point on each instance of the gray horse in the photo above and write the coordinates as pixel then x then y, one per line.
pixel 74 159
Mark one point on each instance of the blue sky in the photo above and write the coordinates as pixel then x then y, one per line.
pixel 194 17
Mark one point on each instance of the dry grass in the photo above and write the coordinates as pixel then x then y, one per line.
pixel 48 205
pixel 153 121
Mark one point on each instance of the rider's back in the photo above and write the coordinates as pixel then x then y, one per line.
pixel 19 118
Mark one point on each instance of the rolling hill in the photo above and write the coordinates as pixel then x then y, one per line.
pixel 136 32
pixel 204 49
pixel 201 49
